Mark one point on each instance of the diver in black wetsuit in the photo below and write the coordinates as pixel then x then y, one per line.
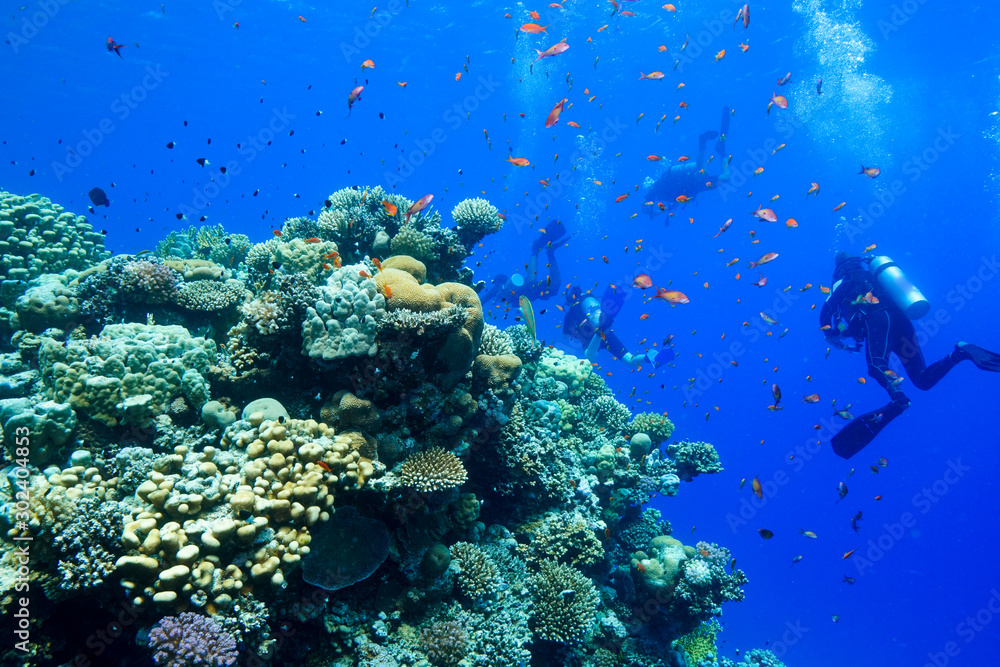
pixel 589 322
pixel 510 288
pixel 689 178
pixel 872 302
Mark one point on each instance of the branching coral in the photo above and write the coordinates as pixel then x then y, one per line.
pixel 191 639
pixel 474 219
pixel 444 642
pixel 694 458
pixel 565 603
pixel 478 575
pixel 433 470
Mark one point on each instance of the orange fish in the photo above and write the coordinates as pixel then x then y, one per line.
pixel 554 114
pixel 621 198
pixel 553 50
pixel 313 239
pixel 720 55
pixel 518 161
pixel 758 490
pixel 840 206
pixel 683 199
pixel 654 76
pixel 386 291
pixel 811 398
pixel 418 206
pixel 769 257
pixel 848 554
pixel 458 76
pixel 364 274
pixel 368 64
pixel 683 158
pixel 791 222
pixel 653 158
pixel 670 8
pixel 533 28
pixel 401 84
pixel 302 18
pixel 777 100
pixel 745 47
pixel 573 123
pixel 389 207
pixel 870 172
pixel 377 263
pixel 276 232
pixel 644 316
pixel 533 15
pixel 323 465
pixel 671 296
pixel 642 281
pixel 813 190
pixel 661 48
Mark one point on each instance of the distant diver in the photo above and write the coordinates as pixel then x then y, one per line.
pixel 528 283
pixel 872 301
pixel 589 322
pixel 687 179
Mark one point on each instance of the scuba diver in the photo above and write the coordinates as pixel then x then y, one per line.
pixel 689 178
pixel 518 284
pixel 872 301
pixel 589 322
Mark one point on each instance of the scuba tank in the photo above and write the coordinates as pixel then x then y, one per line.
pixel 894 284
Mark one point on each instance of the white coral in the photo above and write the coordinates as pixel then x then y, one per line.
pixel 698 573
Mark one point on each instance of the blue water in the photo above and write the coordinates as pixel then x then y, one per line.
pixel 910 88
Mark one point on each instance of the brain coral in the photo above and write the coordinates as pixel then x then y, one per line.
pixel 130 372
pixel 343 321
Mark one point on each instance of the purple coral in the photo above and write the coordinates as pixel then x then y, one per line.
pixel 149 281
pixel 191 639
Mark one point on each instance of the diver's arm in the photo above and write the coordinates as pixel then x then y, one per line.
pixel 592 348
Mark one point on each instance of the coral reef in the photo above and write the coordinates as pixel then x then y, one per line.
pixel 249 444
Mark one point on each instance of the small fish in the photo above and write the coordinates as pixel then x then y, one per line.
pixel 745 47
pixel 758 490
pixel 870 248
pixel 765 533
pixel 533 28
pixel 813 189
pixel 276 232
pixel 554 114
pixel 653 158
pixel 808 533
pixel 819 87
pixel 791 223
pixel 743 482
pixel 811 398
pixel 776 393
pixel 848 580
pixel 642 281
pixel 115 46
pixel 353 97
pixel 724 227
pixel 870 172
pixel 744 14
pixel 841 491
pixel 839 206
pixel 401 84
pixel 553 50
pixel 765 214
pixel 720 55
pixel 848 554
pixel 883 461
pixel 518 161
pixel 769 257
pixel 779 101
pixel 389 207
pixel 302 18
pixel 99 197
pixel 767 318
pixel 652 76
pixel 621 198
pixel 683 199
pixel 835 618
pixel 313 240
pixel 364 274
pixel 418 206
pixel 796 560
pixel 854 521
pixel 758 171
pixel 671 296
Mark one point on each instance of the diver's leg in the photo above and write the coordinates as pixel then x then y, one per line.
pixel 906 347
pixel 878 346
pixel 614 345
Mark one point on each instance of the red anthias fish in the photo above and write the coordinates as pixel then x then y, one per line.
pixel 353 97
pixel 418 206
pixel 553 50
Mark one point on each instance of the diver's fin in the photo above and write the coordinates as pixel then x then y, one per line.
pixel 862 430
pixel 705 137
pixel 984 359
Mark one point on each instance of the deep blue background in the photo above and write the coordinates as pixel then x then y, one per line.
pixel 891 87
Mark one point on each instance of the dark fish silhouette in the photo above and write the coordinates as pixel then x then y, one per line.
pixel 115 46
pixel 98 197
